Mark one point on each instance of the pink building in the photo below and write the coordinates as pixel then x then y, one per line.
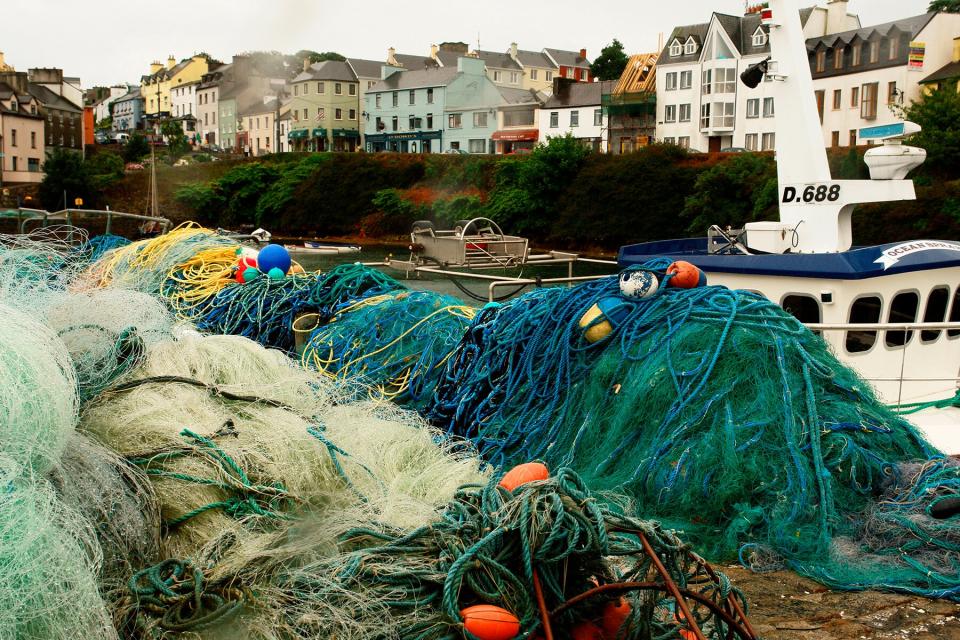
pixel 21 135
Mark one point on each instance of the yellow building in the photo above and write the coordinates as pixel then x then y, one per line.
pixel 155 87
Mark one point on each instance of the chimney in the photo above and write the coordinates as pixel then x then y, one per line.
pixel 455 47
pixel 306 63
pixel 17 80
pixel 434 49
pixel 155 66
pixel 836 16
pixel 241 68
pixel 471 66
pixel 583 53
pixel 513 50
pixel 3 65
pixel 171 62
pixel 956 49
pixel 561 86
pixel 392 57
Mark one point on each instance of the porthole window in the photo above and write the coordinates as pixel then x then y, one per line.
pixel 954 314
pixel 936 311
pixel 864 310
pixel 804 308
pixel 903 309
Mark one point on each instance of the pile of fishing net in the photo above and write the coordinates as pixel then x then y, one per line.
pixel 391 346
pixel 722 416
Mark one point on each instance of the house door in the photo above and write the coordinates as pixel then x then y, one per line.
pixel 715 144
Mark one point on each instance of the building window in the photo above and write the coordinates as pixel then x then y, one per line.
pixel 370 84
pixel 837 98
pixel 479 119
pixel 857 53
pixel 936 311
pixel 725 81
pixel 14 159
pixel 321 88
pixel 835 139
pixel 554 119
pixel 574 118
pixel 750 142
pixel 478 146
pixel 669 140
pixel 378 100
pixel 549 75
pixel 753 108
pixel 514 79
pixel 671 81
pixel 352 89
pixel 395 122
pixel 598 117
pixel 33 139
pixel 769 141
pixel 379 124
pixel 670 113
pixel 690 46
pixel 705 81
pixel 821 60
pixel 396 99
pixel 533 74
pixel 868 103
pixel 891 93
pixel 305 115
pixel 455 121
pixel 875 51
pixel 768 108
pixel 497 76
pixel 413 97
pixel 338 88
pixel 412 123
pixel 686 79
pixel 676 48
pixel 683 142
pixel 33 165
pixel 338 114
pixel 429 121
pixel 838 58
pixel 13 137
pixel 894 47
pixel 455 146
pixel 853 138
pixel 296 92
pixel 759 37
pixel 429 96
pixel 353 114
pixel 684 112
pixel 855 96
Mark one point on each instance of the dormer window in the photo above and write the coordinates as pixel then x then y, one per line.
pixel 676 48
pixel 690 46
pixel 759 37
pixel 13 105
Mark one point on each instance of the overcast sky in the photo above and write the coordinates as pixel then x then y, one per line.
pixel 113 41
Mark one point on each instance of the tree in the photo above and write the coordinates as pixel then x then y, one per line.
pixel 611 62
pixel 938 114
pixel 105 124
pixel 742 188
pixel 104 168
pixel 177 142
pixel 944 6
pixel 64 175
pixel 136 148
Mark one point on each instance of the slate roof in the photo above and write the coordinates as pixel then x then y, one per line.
pixel 682 34
pixel 497 60
pixel 434 77
pixel 567 58
pixel 534 59
pixel 365 68
pixel 912 25
pixel 577 94
pixel 947 72
pixel 129 95
pixel 414 63
pixel 7 92
pixel 518 96
pixel 328 70
pixel 51 100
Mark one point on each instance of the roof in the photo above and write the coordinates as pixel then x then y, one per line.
pixel 51 100
pixel 365 68
pixel 681 34
pixel 533 59
pixel 496 60
pixel 567 58
pixel 328 70
pixel 513 96
pixel 432 77
pixel 265 104
pixel 576 94
pixel 412 63
pixel 639 76
pixel 129 95
pixel 949 71
pixel 7 92
pixel 912 25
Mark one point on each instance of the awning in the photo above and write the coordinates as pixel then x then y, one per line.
pixel 319 133
pixel 346 133
pixel 516 135
pixel 297 133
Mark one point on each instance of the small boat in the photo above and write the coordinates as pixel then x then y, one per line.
pixel 323 248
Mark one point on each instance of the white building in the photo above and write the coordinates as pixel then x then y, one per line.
pixel 183 107
pixel 700 102
pixel 102 110
pixel 575 108
pixel 862 76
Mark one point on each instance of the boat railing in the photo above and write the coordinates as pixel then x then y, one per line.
pixel 67 215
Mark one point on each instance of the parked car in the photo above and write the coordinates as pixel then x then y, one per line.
pixel 121 138
pixel 211 148
pixel 456 151
pixel 735 150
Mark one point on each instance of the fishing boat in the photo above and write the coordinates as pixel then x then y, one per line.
pixel 323 248
pixel 892 311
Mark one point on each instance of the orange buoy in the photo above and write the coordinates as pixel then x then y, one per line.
pixel 524 473
pixel 586 631
pixel 614 615
pixel 489 622
pixel 685 275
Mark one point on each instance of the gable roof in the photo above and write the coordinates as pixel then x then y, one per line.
pixel 639 76
pixel 512 96
pixel 365 68
pixel 576 94
pixel 496 60
pixel 328 70
pixel 534 59
pixel 430 77
pixel 950 71
pixel 51 100
pixel 567 58
pixel 681 34
pixel 912 25
pixel 6 93
pixel 414 63
pixel 129 95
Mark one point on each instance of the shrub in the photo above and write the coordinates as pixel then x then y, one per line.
pixel 280 194
pixel 136 148
pixel 740 189
pixel 203 200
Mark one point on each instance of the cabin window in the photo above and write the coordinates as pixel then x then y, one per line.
pixel 954 314
pixel 864 310
pixel 936 311
pixel 903 309
pixel 804 308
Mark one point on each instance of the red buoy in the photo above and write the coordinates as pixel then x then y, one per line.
pixel 489 622
pixel 524 473
pixel 614 615
pixel 685 275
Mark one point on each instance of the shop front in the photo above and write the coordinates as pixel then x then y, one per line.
pixel 412 142
pixel 345 139
pixel 298 139
pixel 515 140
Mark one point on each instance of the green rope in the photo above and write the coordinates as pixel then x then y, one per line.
pixel 914 407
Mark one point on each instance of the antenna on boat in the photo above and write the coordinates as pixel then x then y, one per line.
pixel 815 210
